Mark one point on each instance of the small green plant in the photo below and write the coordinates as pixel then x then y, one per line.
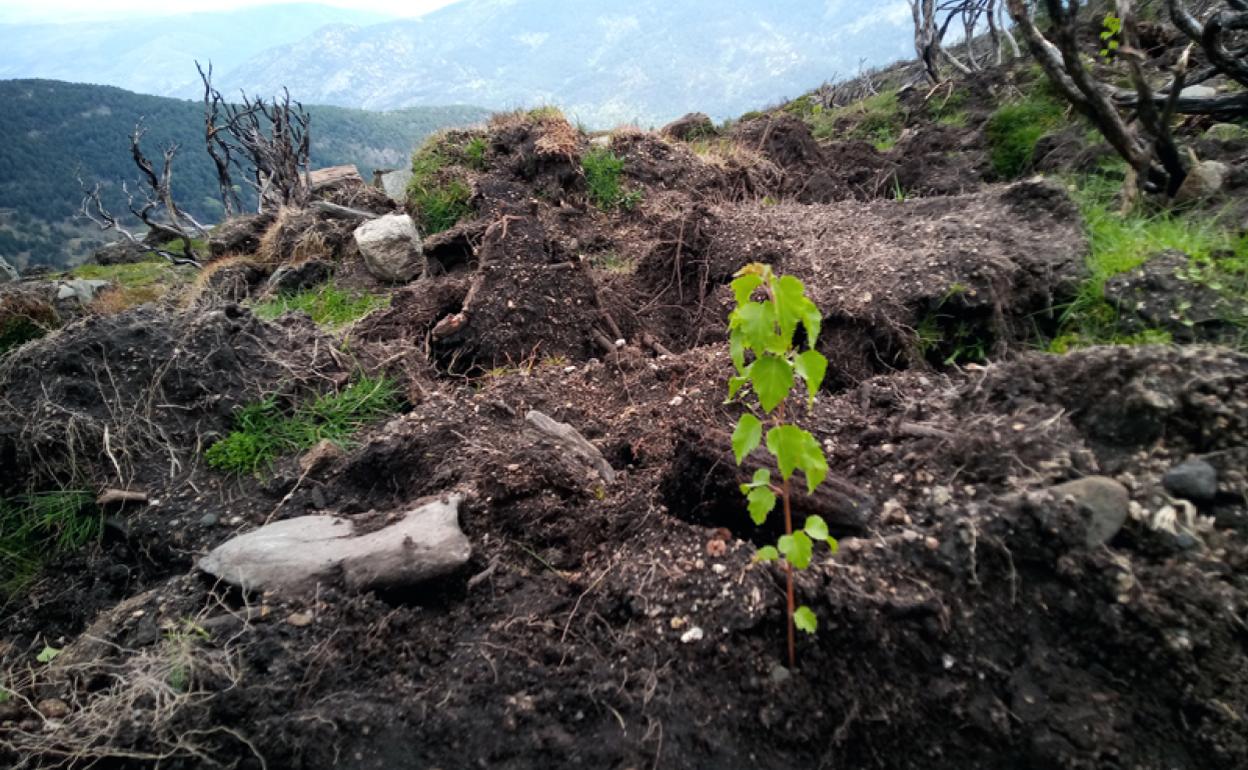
pixel 612 262
pixel 39 526
pixel 474 153
pixel 1111 35
pixel 327 305
pixel 603 169
pixel 263 432
pixel 768 363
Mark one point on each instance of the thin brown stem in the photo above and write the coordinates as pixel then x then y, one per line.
pixel 788 574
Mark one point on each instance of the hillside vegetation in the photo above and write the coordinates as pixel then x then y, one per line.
pixel 56 131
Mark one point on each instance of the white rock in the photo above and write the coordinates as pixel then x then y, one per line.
pixel 1199 92
pixel 295 555
pixel 81 289
pixel 694 634
pixel 391 247
pixel 7 272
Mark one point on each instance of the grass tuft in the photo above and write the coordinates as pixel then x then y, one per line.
pixel 40 526
pixel 437 195
pixel 326 304
pixel 603 170
pixel 263 432
pixel 1015 128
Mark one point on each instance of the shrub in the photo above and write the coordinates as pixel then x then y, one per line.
pixel 603 170
pixel 327 305
pixel 263 432
pixel 24 317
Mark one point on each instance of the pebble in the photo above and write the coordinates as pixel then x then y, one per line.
pixel 53 708
pixel 1107 502
pixel 931 543
pixel 694 634
pixel 209 520
pixel 299 619
pixel 1194 480
pixel 780 674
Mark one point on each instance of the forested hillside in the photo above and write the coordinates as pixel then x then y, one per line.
pixel 55 131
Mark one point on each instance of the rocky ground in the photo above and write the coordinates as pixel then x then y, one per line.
pixel 1042 558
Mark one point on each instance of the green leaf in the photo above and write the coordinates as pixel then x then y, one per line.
pixel 762 478
pixel 736 383
pixel 793 307
pixel 795 448
pixel 767 553
pixel 804 618
pixel 811 366
pixel 756 322
pixel 816 527
pixel 833 544
pixel 773 379
pixel 736 349
pixel 797 548
pixel 747 436
pixel 744 286
pixel 762 502
pixel 48 655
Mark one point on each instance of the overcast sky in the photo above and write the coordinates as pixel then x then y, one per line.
pixel 90 10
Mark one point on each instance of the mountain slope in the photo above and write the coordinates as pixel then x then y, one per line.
pixel 52 130
pixel 157 54
pixel 642 61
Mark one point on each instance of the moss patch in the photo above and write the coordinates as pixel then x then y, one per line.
pixel 327 305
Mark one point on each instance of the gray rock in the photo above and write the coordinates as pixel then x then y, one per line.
pixel 305 275
pixel 294 555
pixel 81 289
pixel 208 520
pixel 572 442
pixel 391 247
pixel 1194 480
pixel 8 272
pixel 1105 501
pixel 121 252
pixel 1204 181
pixel 1199 92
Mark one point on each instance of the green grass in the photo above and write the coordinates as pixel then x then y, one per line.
pixel 40 526
pixel 1119 243
pixel 436 194
pixel 603 170
pixel 877 119
pixel 326 304
pixel 474 153
pixel 263 431
pixel 1015 128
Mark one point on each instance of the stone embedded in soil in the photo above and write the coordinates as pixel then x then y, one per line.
pixel 295 555
pixel 320 457
pixel 1194 480
pixel 53 708
pixel 81 289
pixel 305 275
pixel 391 248
pixel 1106 501
pixel 571 440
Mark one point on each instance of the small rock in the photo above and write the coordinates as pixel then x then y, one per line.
pixel 7 272
pixel 1203 181
pixel 716 547
pixel 320 457
pixel 305 275
pixel 53 708
pixel 1194 480
pixel 299 619
pixel 391 247
pixel 1198 92
pixel 694 634
pixel 931 543
pixel 209 520
pixel 780 674
pixel 1106 501
pixel 80 289
pixel 295 555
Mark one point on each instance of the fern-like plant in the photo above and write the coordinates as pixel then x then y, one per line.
pixel 769 364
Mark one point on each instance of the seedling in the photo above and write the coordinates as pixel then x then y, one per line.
pixel 768 363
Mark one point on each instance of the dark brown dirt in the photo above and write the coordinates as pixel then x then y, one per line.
pixel 964 622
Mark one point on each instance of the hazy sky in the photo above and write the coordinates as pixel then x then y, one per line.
pixel 90 10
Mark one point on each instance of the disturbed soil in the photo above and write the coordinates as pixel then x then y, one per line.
pixel 965 621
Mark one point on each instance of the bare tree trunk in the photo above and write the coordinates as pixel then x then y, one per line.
pixel 926 41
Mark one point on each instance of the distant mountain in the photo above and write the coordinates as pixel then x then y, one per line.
pixel 50 131
pixel 156 54
pixel 605 62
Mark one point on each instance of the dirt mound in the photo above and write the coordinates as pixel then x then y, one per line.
pixel 118 399
pixel 788 143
